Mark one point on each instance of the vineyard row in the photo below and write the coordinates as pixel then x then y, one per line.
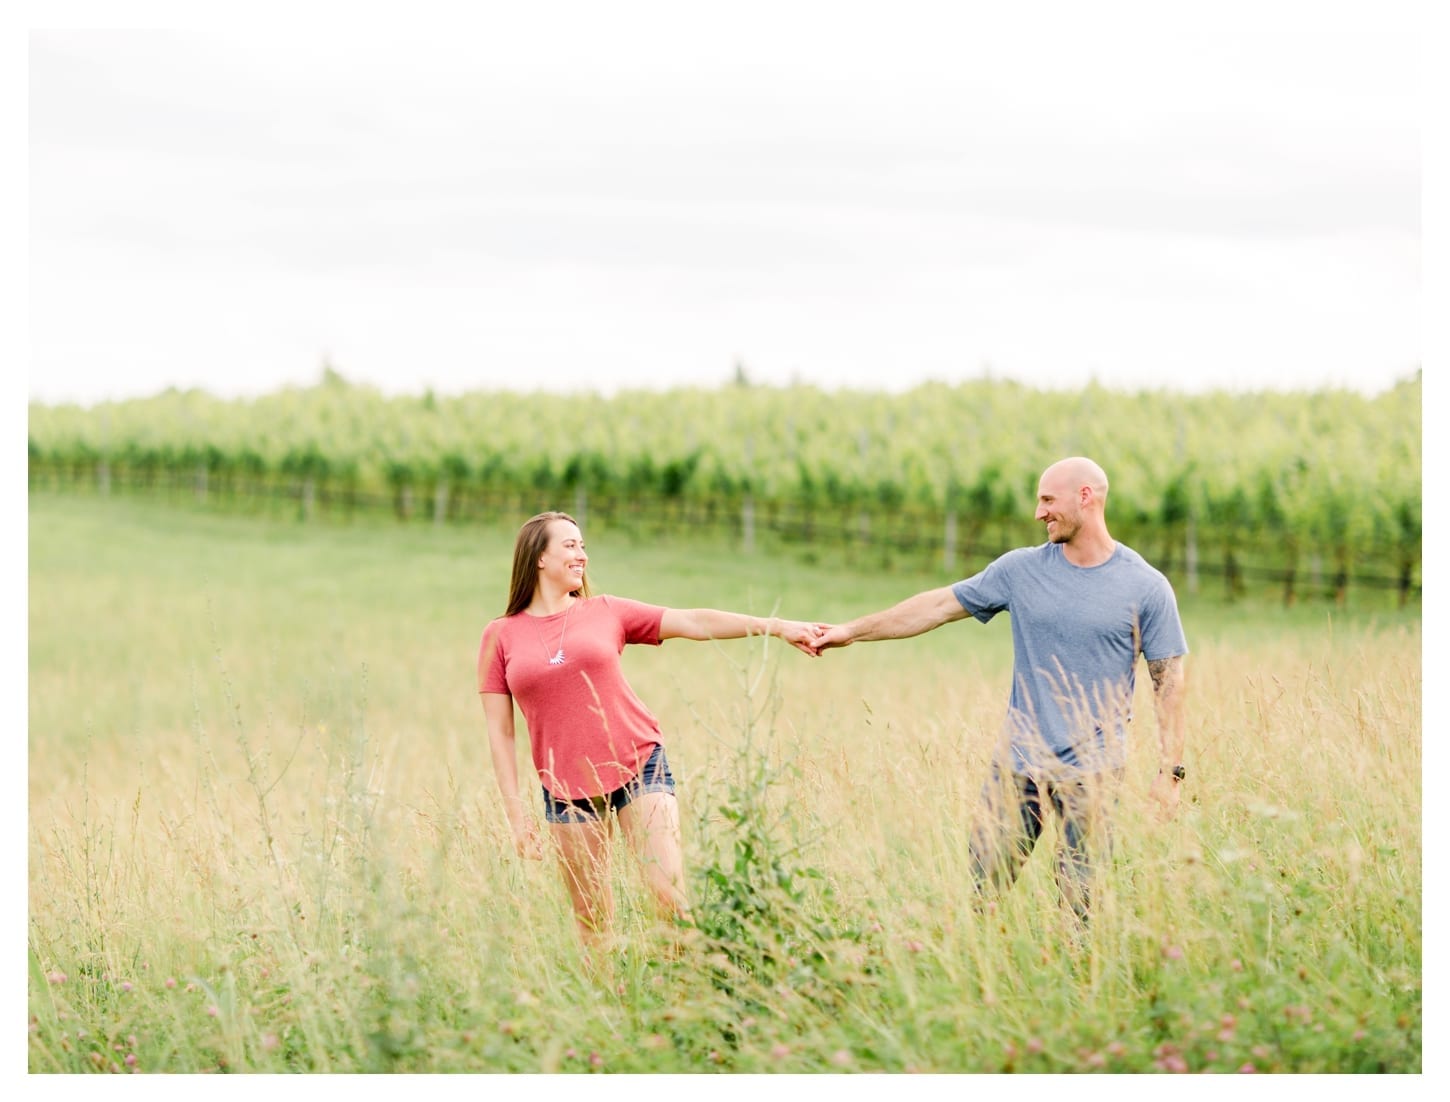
pixel 885 534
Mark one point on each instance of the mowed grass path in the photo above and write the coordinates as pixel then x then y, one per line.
pixel 263 833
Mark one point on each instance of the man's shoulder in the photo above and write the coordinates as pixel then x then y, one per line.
pixel 1016 561
pixel 1029 556
pixel 1137 565
pixel 1132 558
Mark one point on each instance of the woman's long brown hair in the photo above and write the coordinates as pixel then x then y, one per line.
pixel 532 541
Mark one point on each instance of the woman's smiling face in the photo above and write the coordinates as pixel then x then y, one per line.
pixel 564 559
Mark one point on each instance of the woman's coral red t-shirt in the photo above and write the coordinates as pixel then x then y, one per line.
pixel 588 732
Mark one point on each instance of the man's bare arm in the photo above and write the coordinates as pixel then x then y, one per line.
pixel 1169 689
pixel 913 616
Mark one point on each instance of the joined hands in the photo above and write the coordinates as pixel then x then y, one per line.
pixel 813 638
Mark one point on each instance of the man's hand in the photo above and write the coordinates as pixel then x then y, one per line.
pixel 833 635
pixel 1165 791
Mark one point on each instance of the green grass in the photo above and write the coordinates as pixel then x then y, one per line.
pixel 263 833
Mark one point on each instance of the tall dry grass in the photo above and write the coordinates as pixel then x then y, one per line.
pixel 263 833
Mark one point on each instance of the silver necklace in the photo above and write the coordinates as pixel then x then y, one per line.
pixel 558 656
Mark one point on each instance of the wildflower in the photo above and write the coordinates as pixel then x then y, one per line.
pixel 56 977
pixel 1247 1069
pixel 1298 1013
pixel 913 946
pixel 126 986
pixel 595 1060
pixel 269 1042
pixel 1096 1060
pixel 1116 1049
pixel 170 982
pixel 1359 1035
pixel 779 1050
pixel 1173 952
pixel 1034 1045
pixel 1236 964
pixel 841 1058
pixel 212 1011
pixel 130 1059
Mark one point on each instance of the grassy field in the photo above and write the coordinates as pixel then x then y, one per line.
pixel 263 833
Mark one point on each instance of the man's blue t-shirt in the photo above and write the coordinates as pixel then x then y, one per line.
pixel 1076 636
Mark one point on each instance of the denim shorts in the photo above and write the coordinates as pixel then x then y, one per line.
pixel 654 776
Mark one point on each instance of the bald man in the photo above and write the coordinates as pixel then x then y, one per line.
pixel 1083 607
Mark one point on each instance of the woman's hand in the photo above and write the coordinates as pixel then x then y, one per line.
pixel 801 634
pixel 527 843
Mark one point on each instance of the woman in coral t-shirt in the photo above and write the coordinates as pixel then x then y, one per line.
pixel 596 747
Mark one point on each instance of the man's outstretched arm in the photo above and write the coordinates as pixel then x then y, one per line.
pixel 913 616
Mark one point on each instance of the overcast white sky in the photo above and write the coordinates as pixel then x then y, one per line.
pixel 567 200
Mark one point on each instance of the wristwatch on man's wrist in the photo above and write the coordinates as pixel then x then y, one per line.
pixel 1178 772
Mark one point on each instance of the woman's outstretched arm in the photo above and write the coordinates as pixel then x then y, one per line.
pixel 712 623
